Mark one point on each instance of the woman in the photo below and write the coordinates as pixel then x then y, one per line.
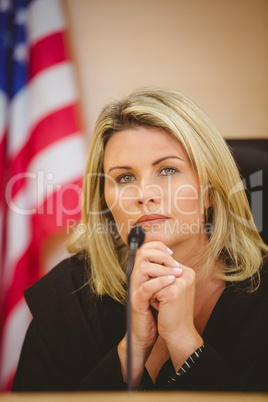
pixel 199 282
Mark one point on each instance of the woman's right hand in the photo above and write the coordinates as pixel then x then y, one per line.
pixel 154 269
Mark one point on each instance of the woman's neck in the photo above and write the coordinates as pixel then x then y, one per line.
pixel 207 297
pixel 208 291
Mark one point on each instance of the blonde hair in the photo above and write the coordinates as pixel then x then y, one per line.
pixel 234 238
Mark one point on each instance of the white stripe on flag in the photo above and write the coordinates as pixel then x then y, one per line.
pixel 45 18
pixel 49 91
pixel 3 113
pixel 17 323
pixel 20 121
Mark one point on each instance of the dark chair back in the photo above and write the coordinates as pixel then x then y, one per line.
pixel 252 159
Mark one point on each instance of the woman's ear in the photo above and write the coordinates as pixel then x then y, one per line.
pixel 208 209
pixel 208 202
pixel 208 197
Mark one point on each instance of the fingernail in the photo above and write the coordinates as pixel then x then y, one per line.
pixel 169 251
pixel 177 270
pixel 171 277
pixel 177 263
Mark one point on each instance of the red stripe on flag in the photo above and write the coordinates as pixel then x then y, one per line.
pixel 46 53
pixel 26 273
pixel 3 175
pixel 3 161
pixel 54 127
pixel 10 382
pixel 61 206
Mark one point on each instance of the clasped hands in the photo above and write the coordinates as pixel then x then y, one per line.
pixel 160 282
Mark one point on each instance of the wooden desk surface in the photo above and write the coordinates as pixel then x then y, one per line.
pixel 135 397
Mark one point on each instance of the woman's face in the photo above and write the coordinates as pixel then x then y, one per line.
pixel 149 181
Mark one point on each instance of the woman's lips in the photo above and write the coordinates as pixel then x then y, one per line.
pixel 152 219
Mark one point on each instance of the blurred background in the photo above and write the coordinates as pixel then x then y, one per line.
pixel 213 51
pixel 60 62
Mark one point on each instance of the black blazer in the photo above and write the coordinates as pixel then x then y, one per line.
pixel 71 343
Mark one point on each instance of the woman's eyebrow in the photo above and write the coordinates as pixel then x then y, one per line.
pixel 166 157
pixel 120 167
pixel 153 164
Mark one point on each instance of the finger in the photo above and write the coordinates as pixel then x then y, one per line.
pixel 182 285
pixel 151 270
pixel 188 274
pixel 157 256
pixel 155 304
pixel 146 291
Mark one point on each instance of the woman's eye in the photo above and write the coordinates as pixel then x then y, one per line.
pixel 126 178
pixel 167 171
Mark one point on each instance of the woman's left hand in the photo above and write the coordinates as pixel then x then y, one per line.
pixel 175 305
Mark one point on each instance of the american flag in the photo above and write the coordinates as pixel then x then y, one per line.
pixel 42 156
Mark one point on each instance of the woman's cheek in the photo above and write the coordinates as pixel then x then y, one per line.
pixel 112 196
pixel 186 200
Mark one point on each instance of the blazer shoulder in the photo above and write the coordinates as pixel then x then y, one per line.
pixel 60 286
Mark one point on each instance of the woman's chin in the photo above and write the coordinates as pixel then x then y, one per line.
pixel 151 236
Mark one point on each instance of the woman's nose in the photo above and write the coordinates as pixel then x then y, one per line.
pixel 149 200
pixel 149 195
